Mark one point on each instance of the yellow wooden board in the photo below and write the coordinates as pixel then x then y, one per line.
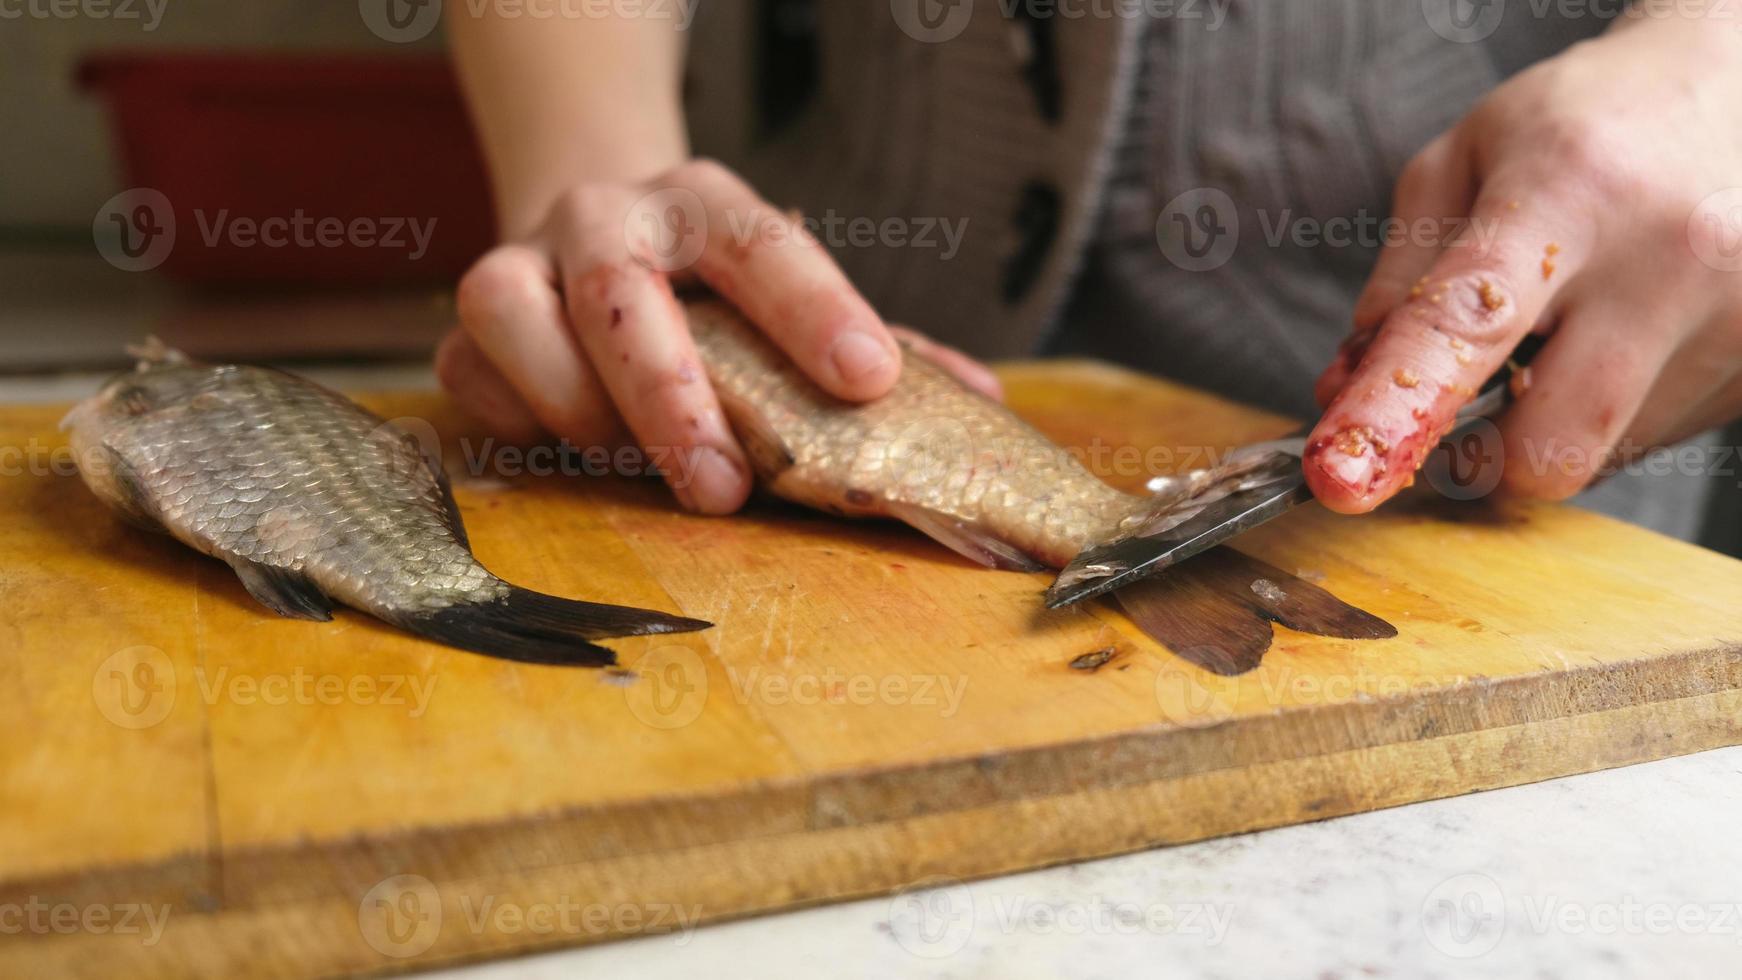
pixel 194 786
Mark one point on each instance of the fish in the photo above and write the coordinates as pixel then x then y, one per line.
pixel 313 500
pixel 969 473
pixel 933 453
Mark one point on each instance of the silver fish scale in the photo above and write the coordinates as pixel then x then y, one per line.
pixel 931 444
pixel 259 465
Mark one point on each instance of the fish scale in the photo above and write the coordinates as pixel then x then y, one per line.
pixel 932 452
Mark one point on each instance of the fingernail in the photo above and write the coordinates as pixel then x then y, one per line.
pixel 716 484
pixel 1355 473
pixel 858 355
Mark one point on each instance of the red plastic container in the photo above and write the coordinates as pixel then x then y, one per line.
pixel 293 168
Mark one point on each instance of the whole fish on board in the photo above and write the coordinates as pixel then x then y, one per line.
pixel 966 471
pixel 311 500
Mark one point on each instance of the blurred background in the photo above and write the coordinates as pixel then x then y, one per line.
pixel 276 179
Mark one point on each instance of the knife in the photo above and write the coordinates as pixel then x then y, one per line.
pixel 1268 482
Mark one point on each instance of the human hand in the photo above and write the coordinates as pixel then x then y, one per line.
pixel 575 330
pixel 1601 188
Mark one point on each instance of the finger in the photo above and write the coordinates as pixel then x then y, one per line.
pixel 1483 294
pixel 967 370
pixel 764 261
pixel 631 327
pixel 481 390
pixel 1432 191
pixel 510 308
pixel 1696 390
pixel 1586 389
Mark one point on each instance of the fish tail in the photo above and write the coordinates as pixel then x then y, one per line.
pixel 530 627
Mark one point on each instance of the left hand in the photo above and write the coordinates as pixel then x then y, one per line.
pixel 1588 183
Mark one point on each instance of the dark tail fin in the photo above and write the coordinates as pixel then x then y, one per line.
pixel 534 628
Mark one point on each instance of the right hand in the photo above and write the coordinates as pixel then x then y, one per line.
pixel 575 330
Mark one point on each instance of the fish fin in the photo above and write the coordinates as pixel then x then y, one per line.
pixel 1288 599
pixel 129 498
pixel 1216 609
pixel 450 510
pixel 769 453
pixel 152 351
pixel 288 593
pixel 530 627
pixel 1199 621
pixel 967 539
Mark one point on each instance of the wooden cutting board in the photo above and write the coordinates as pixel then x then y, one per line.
pixel 870 711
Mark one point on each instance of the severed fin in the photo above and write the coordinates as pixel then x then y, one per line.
pixel 769 453
pixel 1288 599
pixel 1199 622
pixel 533 628
pixel 283 591
pixel 1216 610
pixel 966 539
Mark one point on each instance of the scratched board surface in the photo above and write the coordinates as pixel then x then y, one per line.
pixel 193 786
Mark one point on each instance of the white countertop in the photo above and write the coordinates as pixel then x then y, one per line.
pixel 1626 873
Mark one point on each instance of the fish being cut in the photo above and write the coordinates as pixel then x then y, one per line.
pixel 932 453
pixel 311 500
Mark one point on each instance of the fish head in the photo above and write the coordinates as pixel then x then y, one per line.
pixel 162 377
